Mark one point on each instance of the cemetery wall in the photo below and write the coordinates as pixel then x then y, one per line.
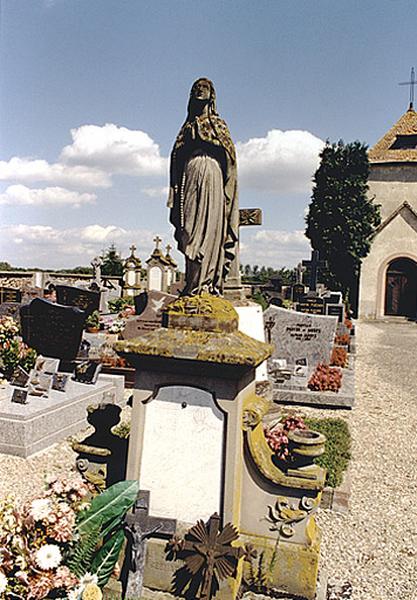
pixel 396 240
pixel 391 185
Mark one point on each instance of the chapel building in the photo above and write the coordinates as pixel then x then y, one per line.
pixel 388 283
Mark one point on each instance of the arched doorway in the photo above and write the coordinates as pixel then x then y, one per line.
pixel 401 288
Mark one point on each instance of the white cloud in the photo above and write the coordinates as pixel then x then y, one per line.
pixel 115 149
pixel 50 247
pixel 275 248
pixel 282 162
pixel 18 195
pixel 156 192
pixel 27 170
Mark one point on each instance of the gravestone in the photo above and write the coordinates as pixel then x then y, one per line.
pixel 86 300
pixel 312 305
pixel 336 310
pixel 297 292
pixel 333 298
pixel 295 335
pixel 10 295
pixel 149 307
pixel 52 329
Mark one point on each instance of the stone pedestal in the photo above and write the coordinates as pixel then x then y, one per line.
pixel 279 502
pixel 193 378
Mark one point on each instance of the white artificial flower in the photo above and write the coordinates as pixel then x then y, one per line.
pixel 3 582
pixel 48 557
pixel 88 578
pixel 74 594
pixel 40 508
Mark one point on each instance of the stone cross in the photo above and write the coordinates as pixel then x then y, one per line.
pixel 132 249
pixel 139 527
pixel 96 264
pixel 233 286
pixel 168 249
pixel 300 271
pixel 314 265
pixel 157 241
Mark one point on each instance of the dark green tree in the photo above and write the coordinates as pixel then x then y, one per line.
pixel 112 262
pixel 342 218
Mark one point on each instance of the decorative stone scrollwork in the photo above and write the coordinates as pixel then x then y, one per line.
pixel 254 409
pixel 284 514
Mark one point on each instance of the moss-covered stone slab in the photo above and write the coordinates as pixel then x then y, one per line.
pixel 233 348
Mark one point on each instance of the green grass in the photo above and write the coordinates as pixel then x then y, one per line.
pixel 337 455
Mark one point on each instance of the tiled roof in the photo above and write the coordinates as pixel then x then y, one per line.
pixel 383 152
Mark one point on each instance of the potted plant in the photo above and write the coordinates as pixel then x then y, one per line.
pixel 92 322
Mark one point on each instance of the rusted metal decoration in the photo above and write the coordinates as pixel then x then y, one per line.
pixel 208 555
pixel 250 216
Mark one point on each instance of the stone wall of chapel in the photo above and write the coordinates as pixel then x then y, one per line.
pixel 398 239
pixel 392 185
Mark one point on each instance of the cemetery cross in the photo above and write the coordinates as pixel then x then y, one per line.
pixel 140 526
pixel 314 265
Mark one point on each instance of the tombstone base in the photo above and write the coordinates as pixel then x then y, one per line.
pixel 29 428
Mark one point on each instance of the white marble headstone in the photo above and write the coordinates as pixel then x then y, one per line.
pixel 182 459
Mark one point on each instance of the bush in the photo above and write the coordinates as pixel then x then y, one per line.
pixel 339 357
pixel 117 304
pixel 337 454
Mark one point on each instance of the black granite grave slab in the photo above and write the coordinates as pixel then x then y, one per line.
pixel 86 300
pixel 52 329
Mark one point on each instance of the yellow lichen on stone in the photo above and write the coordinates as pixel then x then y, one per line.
pixel 204 305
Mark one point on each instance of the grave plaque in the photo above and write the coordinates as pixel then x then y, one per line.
pixel 312 305
pixel 173 462
pixel 296 335
pixel 20 396
pixel 20 377
pixel 59 381
pixel 52 329
pixel 10 295
pixel 149 307
pixel 86 300
pixel 336 310
pixel 87 372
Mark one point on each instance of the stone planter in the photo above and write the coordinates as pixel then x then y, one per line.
pixel 306 445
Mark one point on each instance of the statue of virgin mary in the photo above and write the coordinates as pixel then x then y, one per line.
pixel 203 193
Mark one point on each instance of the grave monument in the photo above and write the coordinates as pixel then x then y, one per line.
pixel 197 443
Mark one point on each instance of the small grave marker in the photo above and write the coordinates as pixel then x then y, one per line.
pixel 86 300
pixel 20 396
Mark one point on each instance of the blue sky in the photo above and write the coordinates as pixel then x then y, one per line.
pixel 93 93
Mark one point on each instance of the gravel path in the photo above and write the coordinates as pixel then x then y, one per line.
pixel 374 546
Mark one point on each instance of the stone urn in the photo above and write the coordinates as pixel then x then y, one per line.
pixel 306 445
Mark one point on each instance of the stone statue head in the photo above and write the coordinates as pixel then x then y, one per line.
pixel 202 90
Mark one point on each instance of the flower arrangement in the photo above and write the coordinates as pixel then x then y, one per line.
pixel 325 378
pixel 339 357
pixel 13 351
pixel 53 546
pixel 118 304
pixel 348 323
pixel 128 311
pixel 277 435
pixel 117 326
pixel 342 340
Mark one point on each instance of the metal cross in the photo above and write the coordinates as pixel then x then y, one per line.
pixel 314 265
pixel 411 83
pixel 168 249
pixel 208 554
pixel 139 527
pixel 132 249
pixel 157 241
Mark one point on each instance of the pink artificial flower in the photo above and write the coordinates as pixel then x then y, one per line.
pixel 64 578
pixel 40 587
